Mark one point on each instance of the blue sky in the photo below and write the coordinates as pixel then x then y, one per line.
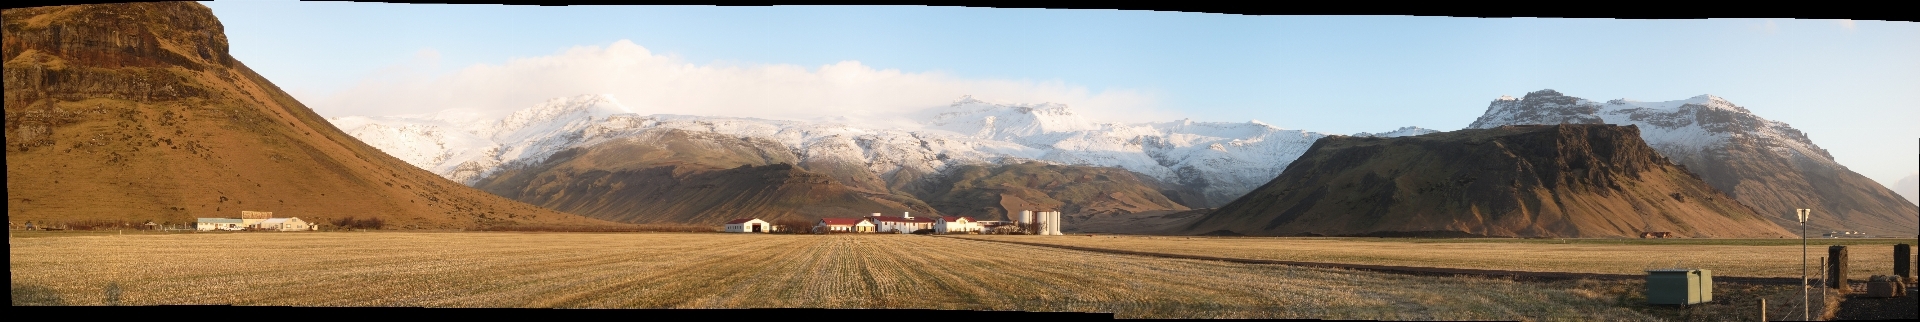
pixel 1853 86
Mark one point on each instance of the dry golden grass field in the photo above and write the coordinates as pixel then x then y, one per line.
pixel 710 270
pixel 1769 258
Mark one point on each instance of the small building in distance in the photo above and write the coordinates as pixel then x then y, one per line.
pixel 1845 234
pixel 209 224
pixel 906 223
pixel 1656 234
pixel 998 226
pixel 843 225
pixel 283 224
pixel 250 218
pixel 954 224
pixel 748 225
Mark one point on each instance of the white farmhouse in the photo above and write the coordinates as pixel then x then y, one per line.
pixel 283 224
pixel 844 225
pixel 952 224
pixel 903 224
pixel 206 224
pixel 748 225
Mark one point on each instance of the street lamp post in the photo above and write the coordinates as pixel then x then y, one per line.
pixel 1804 308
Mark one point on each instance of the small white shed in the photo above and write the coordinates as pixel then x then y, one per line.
pixel 748 225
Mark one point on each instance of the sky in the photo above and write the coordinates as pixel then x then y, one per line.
pixel 1852 86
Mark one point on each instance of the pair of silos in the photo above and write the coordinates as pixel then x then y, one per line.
pixel 1041 222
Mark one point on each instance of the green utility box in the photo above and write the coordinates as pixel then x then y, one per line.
pixel 1679 286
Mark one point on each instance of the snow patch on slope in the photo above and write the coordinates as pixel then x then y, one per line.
pixel 1679 128
pixel 1404 131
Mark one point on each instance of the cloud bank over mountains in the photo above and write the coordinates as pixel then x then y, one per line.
pixel 652 83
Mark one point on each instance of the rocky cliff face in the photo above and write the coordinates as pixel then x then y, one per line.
pixel 133 112
pixel 1763 163
pixel 1525 181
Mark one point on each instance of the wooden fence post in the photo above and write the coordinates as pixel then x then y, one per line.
pixel 1837 261
pixel 1902 265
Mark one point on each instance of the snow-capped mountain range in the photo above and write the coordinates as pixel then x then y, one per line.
pixel 1765 164
pixel 1222 160
pixel 1680 129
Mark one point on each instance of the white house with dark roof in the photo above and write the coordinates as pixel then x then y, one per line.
pixel 748 225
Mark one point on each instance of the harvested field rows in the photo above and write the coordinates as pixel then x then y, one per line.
pixel 670 270
pixel 1606 258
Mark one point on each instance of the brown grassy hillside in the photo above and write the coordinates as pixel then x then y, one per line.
pixel 676 176
pixel 1080 193
pixel 1529 181
pixel 136 112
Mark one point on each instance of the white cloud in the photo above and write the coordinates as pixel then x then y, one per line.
pixel 662 84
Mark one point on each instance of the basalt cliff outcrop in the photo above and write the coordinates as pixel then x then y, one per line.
pixel 1513 181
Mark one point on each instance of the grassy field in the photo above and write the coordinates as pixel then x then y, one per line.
pixel 1736 257
pixel 691 270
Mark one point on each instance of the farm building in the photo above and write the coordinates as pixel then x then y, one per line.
pixel 1656 234
pixel 850 225
pixel 283 224
pixel 952 224
pixel 205 224
pixel 998 226
pixel 748 225
pixel 1040 222
pixel 1844 234
pixel 903 224
pixel 250 218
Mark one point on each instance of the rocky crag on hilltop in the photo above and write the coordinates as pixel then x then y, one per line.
pixel 136 111
pixel 1763 163
pixel 1512 181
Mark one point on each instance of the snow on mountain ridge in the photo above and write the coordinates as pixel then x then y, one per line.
pixel 979 119
pixel 1678 128
pixel 1222 160
pixel 1404 131
pixel 552 114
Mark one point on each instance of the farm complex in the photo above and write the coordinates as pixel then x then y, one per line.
pixel 1028 222
pixel 254 220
